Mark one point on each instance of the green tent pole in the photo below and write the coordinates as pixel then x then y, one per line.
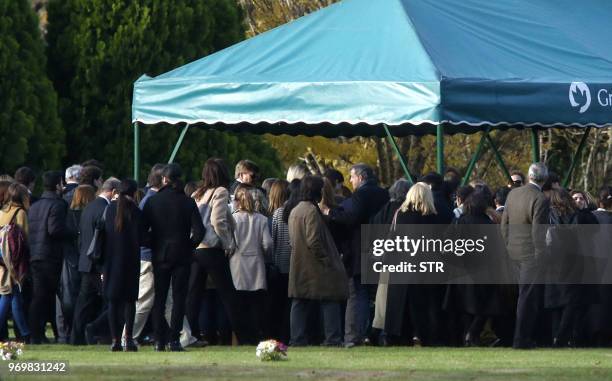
pixel 440 148
pixel 136 151
pixel 399 154
pixel 499 158
pixel 475 157
pixel 535 146
pixel 576 157
pixel 178 143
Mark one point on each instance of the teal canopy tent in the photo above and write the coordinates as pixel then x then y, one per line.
pixel 401 67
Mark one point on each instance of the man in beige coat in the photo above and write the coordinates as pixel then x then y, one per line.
pixel 524 222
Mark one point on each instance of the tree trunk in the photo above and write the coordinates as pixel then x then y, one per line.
pixel 383 165
pixel 607 168
pixel 587 172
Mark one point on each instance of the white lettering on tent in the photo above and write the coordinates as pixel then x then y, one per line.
pixel 604 97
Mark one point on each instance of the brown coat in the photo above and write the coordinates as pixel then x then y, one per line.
pixel 524 222
pixel 316 270
pixel 21 220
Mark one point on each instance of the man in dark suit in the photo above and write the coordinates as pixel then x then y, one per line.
pixel 524 222
pixel 47 232
pixel 363 204
pixel 176 230
pixel 88 300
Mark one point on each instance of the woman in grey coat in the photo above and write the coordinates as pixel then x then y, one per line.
pixel 247 264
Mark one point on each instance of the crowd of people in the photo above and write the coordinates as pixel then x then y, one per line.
pixel 225 261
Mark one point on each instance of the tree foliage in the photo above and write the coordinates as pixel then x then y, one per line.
pixel 30 130
pixel 98 48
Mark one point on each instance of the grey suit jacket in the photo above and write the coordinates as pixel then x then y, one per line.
pixel 524 222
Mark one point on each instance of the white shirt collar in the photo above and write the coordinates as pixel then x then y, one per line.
pixel 538 186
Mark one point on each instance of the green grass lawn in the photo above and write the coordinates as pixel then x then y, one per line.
pixel 401 363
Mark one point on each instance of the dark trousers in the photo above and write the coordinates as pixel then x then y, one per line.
pixel 473 325
pixel 67 294
pixel 213 320
pixel 567 323
pixel 177 275
pixel 278 308
pixel 87 306
pixel 357 312
pixel 332 324
pixel 213 262
pixel 253 306
pixel 121 312
pixel 530 303
pixel 45 281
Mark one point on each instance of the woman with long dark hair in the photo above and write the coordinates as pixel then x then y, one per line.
pixel 212 254
pixel 278 270
pixel 123 235
pixel 567 301
pixel 474 303
pixel 71 277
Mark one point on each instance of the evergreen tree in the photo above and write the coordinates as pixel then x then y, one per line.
pixel 30 130
pixel 98 48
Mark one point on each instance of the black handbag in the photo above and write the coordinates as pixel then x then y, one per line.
pixel 94 251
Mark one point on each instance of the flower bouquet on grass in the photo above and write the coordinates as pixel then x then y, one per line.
pixel 271 350
pixel 10 350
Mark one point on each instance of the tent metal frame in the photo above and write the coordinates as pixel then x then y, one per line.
pixel 485 138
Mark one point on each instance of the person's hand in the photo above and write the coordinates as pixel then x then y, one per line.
pixel 324 210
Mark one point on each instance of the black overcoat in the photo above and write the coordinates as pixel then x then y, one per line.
pixel 121 257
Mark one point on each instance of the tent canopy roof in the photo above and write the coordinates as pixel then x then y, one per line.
pixel 410 64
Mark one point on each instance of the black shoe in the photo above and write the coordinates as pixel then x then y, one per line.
pixel 175 346
pixel 417 342
pixel 495 343
pixel 159 347
pixel 116 346
pixel 198 344
pixel 524 345
pixel 90 337
pixel 470 341
pixel 130 346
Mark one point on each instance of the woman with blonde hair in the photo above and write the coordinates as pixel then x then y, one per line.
pixel 418 208
pixel 247 265
pixel 14 267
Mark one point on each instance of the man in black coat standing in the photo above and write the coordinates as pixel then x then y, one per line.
pixel 363 204
pixel 88 300
pixel 176 230
pixel 47 232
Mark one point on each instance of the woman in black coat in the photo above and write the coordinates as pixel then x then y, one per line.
pixel 567 300
pixel 123 236
pixel 475 302
pixel 418 208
